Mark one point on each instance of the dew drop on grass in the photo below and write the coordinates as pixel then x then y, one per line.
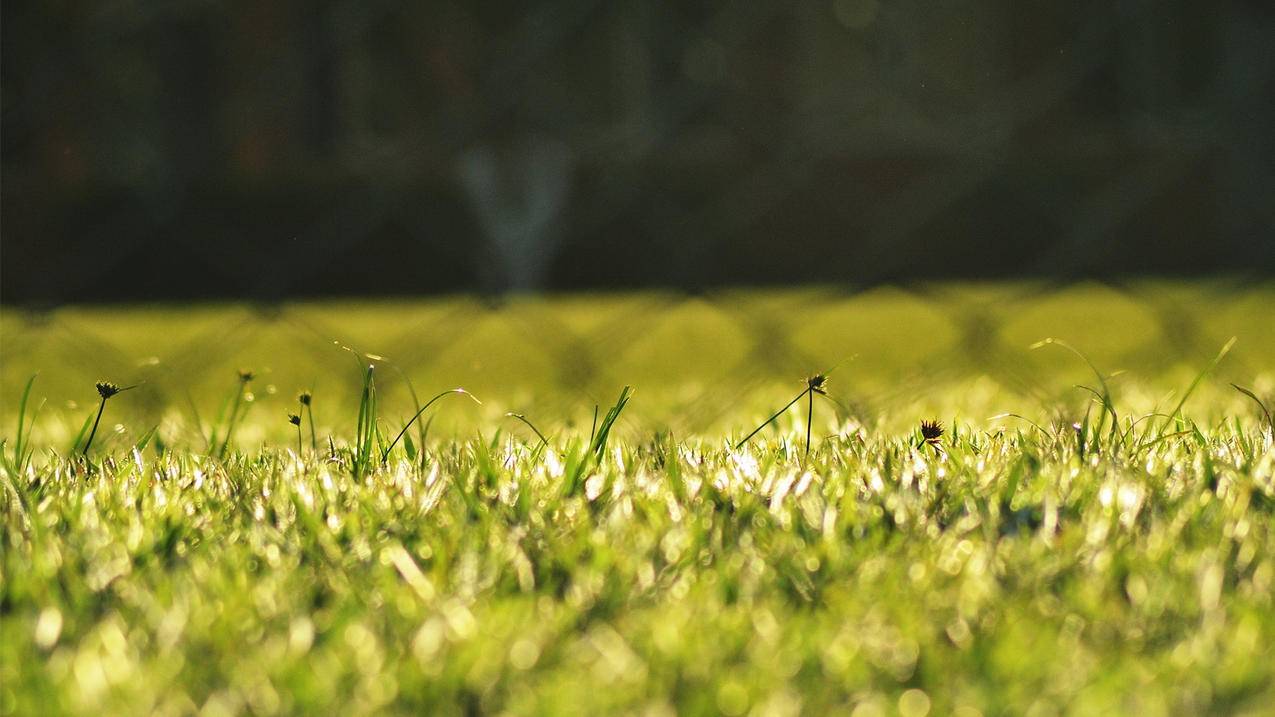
pixel 914 703
pixel 524 654
pixel 593 486
pixel 1211 587
pixel 870 707
pixel 300 635
pixel 48 627
pixel 553 465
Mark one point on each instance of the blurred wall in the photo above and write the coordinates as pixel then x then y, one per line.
pixel 297 148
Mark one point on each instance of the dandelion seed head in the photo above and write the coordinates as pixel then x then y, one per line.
pixel 931 431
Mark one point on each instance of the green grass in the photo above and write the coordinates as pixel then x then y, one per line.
pixel 1112 551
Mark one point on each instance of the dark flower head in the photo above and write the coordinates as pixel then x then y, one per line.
pixel 106 389
pixel 931 431
pixel 294 419
pixel 304 398
pixel 246 375
pixel 818 383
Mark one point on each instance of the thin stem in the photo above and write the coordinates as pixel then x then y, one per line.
pixel 530 425
pixel 768 420
pixel 298 439
pixel 386 454
pixel 314 443
pixel 230 425
pixel 100 408
pixel 421 429
pixel 211 437
pixel 810 417
pixel 1257 400
pixel 1199 377
pixel 1035 425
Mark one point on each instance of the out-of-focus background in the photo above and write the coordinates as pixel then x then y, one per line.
pixel 710 365
pixel 268 150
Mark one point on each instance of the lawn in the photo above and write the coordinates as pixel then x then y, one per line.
pixel 1106 549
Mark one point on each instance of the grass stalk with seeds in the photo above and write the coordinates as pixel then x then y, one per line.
pixel 295 420
pixel 305 399
pixel 816 384
pixel 106 390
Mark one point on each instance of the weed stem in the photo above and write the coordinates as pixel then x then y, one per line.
pixel 314 443
pixel 810 418
pixel 767 422
pixel 101 407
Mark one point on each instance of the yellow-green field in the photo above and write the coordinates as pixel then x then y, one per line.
pixel 698 364
pixel 1108 549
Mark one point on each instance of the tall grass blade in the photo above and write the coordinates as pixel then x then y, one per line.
pixel 22 449
pixel 79 436
pixel 386 454
pixel 1198 378
pixel 579 462
pixel 543 441
pixel 1269 421
pixel 365 427
pixel 604 428
pixel 199 423
pixel 416 404
pixel 19 440
pixel 1107 403
pixel 233 421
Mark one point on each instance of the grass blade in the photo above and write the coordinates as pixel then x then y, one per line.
pixel 604 429
pixel 1198 378
pixel 1269 421
pixel 386 454
pixel 581 462
pixel 1107 403
pixel 19 441
pixel 543 441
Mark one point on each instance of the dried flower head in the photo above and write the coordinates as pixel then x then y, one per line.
pixel 818 383
pixel 246 375
pixel 931 431
pixel 106 389
pixel 304 398
pixel 294 419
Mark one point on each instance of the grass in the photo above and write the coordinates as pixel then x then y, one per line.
pixel 1106 549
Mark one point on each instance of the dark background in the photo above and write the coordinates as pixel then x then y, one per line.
pixel 178 149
